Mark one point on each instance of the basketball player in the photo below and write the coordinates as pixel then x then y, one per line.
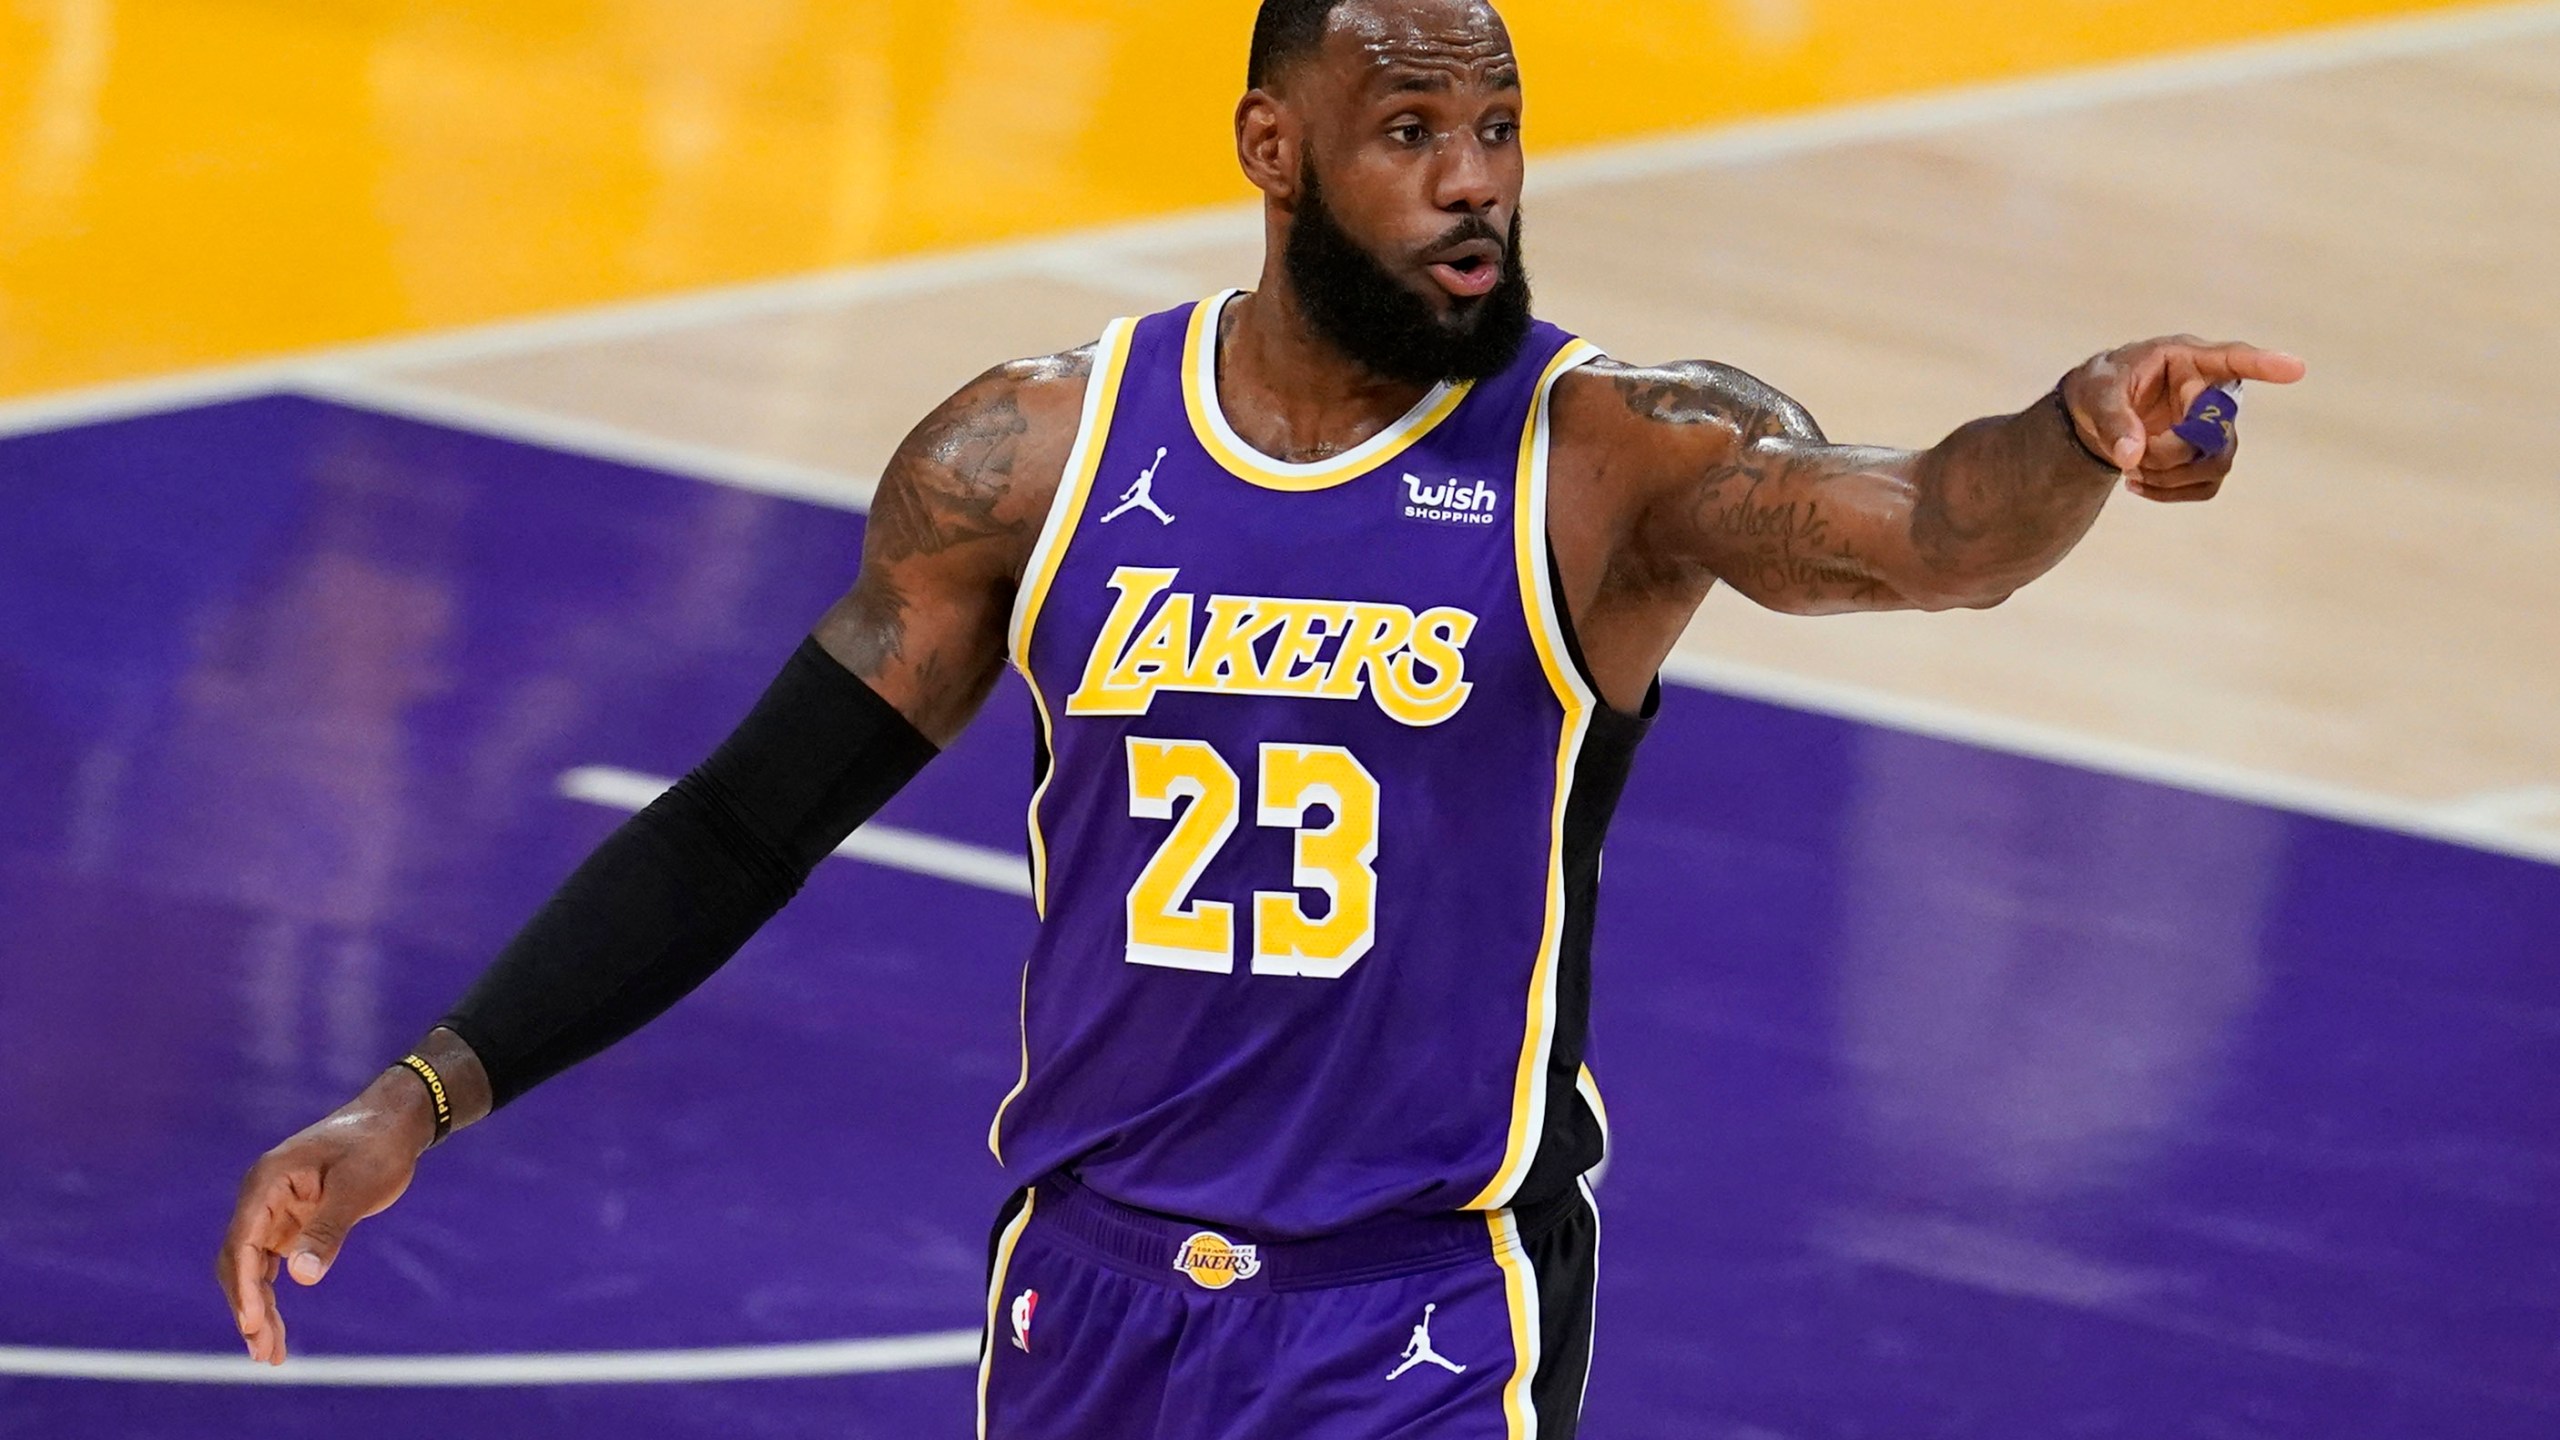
pixel 1341 603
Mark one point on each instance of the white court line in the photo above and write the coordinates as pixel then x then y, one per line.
pixel 124 399
pixel 2534 802
pixel 2462 823
pixel 453 410
pixel 1118 250
pixel 626 790
pixel 941 1349
pixel 1008 874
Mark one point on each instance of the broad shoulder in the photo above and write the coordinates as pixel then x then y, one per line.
pixel 986 463
pixel 1630 437
pixel 1019 411
pixel 1632 446
pixel 1611 398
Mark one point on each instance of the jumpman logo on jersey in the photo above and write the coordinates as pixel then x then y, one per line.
pixel 1418 1349
pixel 1142 496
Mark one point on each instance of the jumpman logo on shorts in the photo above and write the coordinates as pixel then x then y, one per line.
pixel 1142 496
pixel 1418 1349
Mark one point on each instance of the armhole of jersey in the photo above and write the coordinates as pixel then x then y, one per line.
pixel 1548 616
pixel 1579 701
pixel 1075 484
pixel 1558 651
pixel 1066 510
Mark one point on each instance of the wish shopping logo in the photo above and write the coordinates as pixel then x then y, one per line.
pixel 1451 502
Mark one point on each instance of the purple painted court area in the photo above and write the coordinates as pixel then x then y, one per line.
pixel 1956 1094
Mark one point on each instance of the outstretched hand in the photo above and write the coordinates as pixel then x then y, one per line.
pixel 2127 402
pixel 301 1198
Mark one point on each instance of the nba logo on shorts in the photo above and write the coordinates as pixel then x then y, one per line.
pixel 1214 1262
pixel 1023 1305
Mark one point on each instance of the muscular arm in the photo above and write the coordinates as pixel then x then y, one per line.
pixel 675 891
pixel 951 530
pixel 1723 478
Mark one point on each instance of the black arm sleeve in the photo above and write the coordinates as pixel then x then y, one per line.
pixel 671 895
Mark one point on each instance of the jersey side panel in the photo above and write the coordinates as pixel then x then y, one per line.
pixel 1066 508
pixel 1545 626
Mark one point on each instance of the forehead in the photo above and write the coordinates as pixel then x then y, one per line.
pixel 1390 46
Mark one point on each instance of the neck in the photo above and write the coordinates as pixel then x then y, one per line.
pixel 1287 390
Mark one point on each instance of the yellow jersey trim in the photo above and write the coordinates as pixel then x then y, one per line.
pixel 1075 483
pixel 1066 509
pixel 1520 1297
pixel 995 1300
pixel 1209 419
pixel 1546 629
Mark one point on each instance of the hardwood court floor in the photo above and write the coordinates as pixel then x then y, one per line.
pixel 191 182
pixel 2373 605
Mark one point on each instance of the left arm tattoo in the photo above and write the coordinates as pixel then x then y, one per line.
pixel 1749 490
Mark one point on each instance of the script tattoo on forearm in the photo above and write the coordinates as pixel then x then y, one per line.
pixel 1814 527
pixel 1788 544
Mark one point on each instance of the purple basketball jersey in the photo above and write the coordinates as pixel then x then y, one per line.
pixel 1317 829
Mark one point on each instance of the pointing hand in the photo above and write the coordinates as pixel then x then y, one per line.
pixel 2128 402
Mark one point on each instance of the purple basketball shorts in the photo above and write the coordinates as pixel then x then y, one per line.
pixel 1106 1323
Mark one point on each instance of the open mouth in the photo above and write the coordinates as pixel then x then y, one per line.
pixel 1468 270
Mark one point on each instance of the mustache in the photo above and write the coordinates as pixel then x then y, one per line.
pixel 1466 231
pixel 1383 321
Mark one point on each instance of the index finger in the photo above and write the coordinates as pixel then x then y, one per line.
pixel 2247 362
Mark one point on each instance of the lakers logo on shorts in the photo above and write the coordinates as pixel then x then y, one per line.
pixel 1215 1262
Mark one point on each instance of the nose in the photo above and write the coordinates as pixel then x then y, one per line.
pixel 1467 182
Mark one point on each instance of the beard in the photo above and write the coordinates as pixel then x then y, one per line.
pixel 1351 299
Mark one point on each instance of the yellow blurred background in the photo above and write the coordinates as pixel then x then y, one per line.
pixel 184 182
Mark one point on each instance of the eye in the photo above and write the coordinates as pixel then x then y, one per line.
pixel 1502 132
pixel 1410 132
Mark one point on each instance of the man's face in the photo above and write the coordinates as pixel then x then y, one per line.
pixel 1404 237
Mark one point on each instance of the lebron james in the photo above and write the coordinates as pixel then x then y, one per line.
pixel 1340 601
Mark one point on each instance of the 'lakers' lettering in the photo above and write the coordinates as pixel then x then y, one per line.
pixel 1215 1262
pixel 1413 665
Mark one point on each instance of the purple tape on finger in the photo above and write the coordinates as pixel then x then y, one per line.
pixel 2209 421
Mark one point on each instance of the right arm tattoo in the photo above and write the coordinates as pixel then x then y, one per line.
pixel 951 527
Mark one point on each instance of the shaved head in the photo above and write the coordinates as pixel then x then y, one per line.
pixel 1285 32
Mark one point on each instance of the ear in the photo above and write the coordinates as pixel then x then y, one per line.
pixel 1267 145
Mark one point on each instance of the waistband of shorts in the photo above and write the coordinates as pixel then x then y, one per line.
pixel 1154 1247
